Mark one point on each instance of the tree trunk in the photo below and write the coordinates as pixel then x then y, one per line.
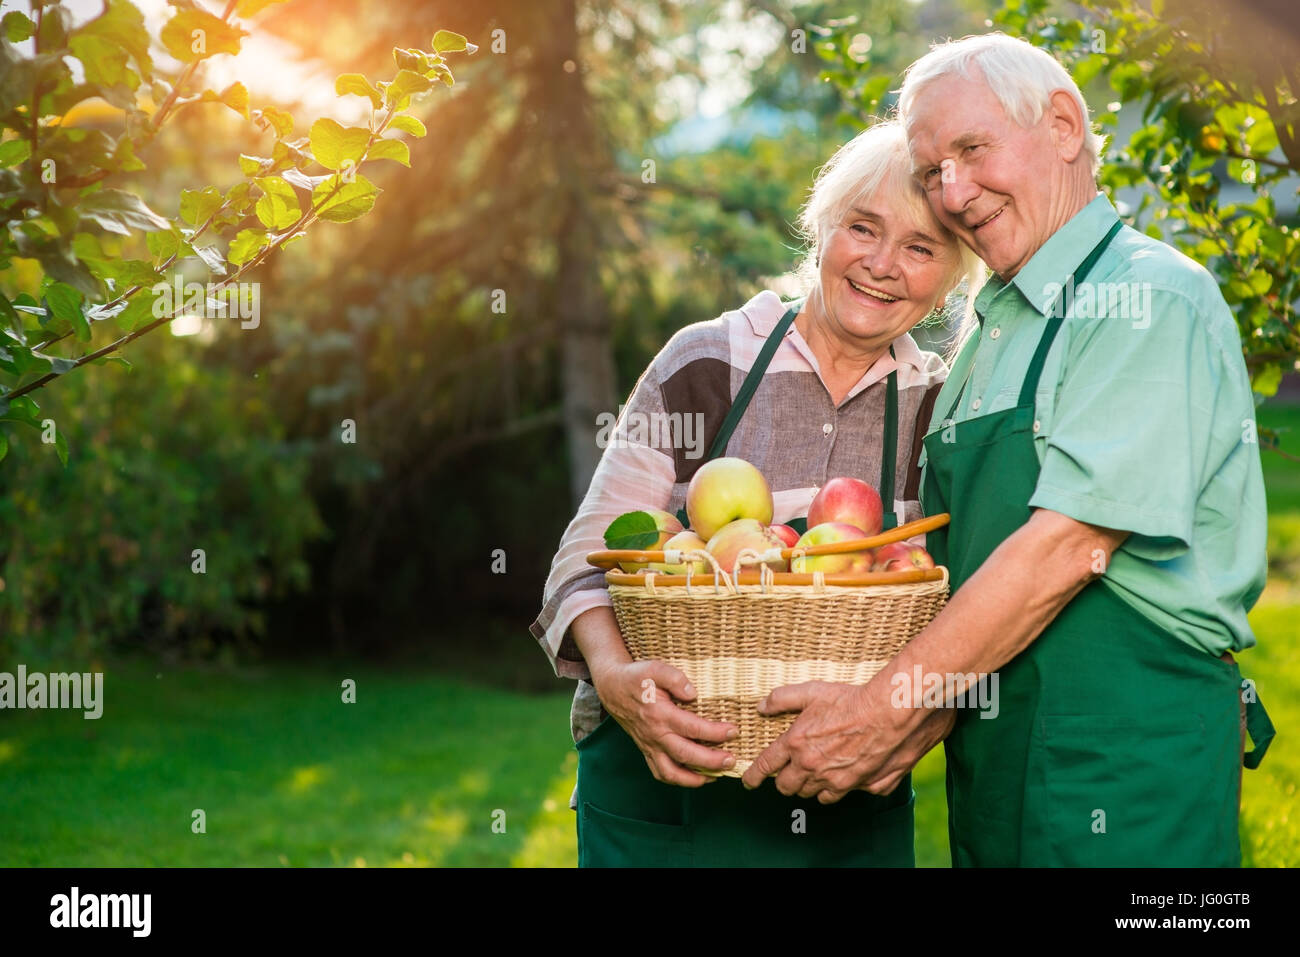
pixel 586 350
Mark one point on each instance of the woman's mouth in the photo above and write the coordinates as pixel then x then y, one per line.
pixel 875 294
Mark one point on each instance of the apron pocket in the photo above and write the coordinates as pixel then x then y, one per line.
pixel 609 840
pixel 1134 791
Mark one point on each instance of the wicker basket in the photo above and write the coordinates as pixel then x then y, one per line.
pixel 736 637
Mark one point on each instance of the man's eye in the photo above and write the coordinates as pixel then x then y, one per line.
pixel 973 146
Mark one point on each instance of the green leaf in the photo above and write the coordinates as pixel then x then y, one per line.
pixel 358 85
pixel 198 204
pixel 119 212
pixel 398 93
pixel 278 120
pixel 247 244
pixel 444 41
pixel 352 200
pixel 104 61
pixel 122 25
pixel 235 96
pixel 139 310
pixel 251 165
pixel 632 530
pixel 1267 379
pixel 408 124
pixel 278 207
pixel 333 146
pixel 4 441
pixel 61 446
pixel 194 35
pixel 392 150
pixel 64 302
pixel 13 152
pixel 17 27
pixel 250 8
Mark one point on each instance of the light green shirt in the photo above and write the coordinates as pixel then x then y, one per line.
pixel 1145 420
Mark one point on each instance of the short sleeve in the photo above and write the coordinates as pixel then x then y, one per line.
pixel 1131 426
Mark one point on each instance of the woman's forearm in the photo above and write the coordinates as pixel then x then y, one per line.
pixel 596 634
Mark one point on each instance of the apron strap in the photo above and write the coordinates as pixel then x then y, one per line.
pixel 1063 305
pixel 1261 732
pixel 1056 317
pixel 747 390
pixel 890 448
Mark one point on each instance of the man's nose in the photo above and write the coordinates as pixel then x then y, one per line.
pixel 957 190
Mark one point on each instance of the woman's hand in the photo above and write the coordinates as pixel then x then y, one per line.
pixel 643 696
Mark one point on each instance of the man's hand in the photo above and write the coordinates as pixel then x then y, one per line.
pixel 837 744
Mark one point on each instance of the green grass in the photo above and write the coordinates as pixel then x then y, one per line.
pixel 416 770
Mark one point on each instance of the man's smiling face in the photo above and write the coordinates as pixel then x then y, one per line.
pixel 988 179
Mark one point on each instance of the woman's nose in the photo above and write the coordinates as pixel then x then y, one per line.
pixel 882 259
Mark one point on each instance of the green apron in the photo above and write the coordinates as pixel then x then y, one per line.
pixel 1115 743
pixel 626 818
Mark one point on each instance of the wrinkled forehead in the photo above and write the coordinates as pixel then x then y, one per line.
pixel 949 110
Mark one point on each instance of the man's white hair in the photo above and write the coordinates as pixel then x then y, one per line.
pixel 1020 75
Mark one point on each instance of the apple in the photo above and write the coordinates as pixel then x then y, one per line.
pixel 686 541
pixel 668 526
pixel 901 557
pixel 724 490
pixel 825 534
pixel 848 501
pixel 744 533
pixel 788 534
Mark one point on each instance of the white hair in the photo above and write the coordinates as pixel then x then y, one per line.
pixel 876 158
pixel 1020 75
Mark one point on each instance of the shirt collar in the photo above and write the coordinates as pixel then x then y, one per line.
pixel 765 310
pixel 1056 260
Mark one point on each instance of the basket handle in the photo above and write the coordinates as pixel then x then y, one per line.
pixel 608 559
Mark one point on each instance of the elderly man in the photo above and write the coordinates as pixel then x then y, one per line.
pixel 1095 448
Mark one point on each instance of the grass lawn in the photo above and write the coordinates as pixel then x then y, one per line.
pixel 444 767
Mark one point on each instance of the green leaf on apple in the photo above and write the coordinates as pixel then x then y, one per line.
pixel 634 531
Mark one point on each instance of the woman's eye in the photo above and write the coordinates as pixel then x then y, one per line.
pixel 860 229
pixel 923 250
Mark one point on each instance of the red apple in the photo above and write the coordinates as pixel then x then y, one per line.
pixel 788 534
pixel 724 490
pixel 744 533
pixel 848 501
pixel 901 557
pixel 668 526
pixel 826 534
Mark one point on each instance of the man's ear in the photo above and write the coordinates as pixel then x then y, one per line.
pixel 1068 125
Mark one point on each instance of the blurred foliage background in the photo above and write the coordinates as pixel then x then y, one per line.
pixel 602 173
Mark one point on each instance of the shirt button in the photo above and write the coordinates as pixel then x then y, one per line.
pixel 995 333
pixel 826 429
pixel 1036 425
pixel 975 406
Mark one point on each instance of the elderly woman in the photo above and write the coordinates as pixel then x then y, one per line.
pixel 831 384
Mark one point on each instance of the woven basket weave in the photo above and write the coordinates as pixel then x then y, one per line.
pixel 738 642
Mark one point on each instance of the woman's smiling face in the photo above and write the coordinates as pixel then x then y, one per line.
pixel 883 269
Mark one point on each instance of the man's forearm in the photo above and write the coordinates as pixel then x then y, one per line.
pixel 1006 604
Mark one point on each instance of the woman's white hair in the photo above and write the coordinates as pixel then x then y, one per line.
pixel 876 158
pixel 1020 75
